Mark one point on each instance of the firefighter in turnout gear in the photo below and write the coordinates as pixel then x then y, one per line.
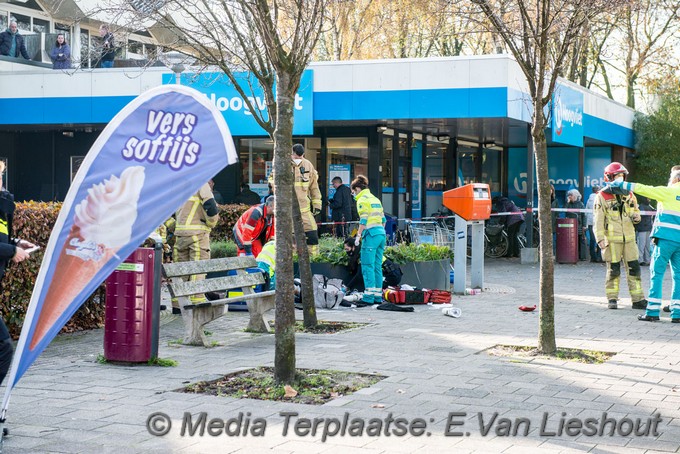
pixel 614 214
pixel 666 235
pixel 194 221
pixel 305 180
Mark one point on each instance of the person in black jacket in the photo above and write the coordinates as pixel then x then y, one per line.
pixel 391 271
pixel 108 50
pixel 11 249
pixel 247 196
pixel 512 222
pixel 341 206
pixel 12 43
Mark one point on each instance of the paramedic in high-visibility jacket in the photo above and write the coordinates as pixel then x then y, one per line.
pixel 306 183
pixel 371 235
pixel 614 214
pixel 666 234
pixel 194 221
pixel 255 227
pixel 266 261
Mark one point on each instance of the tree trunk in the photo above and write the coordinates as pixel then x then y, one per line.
pixel 308 307
pixel 630 90
pixel 284 354
pixel 546 327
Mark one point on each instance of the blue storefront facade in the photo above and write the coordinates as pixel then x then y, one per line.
pixel 415 127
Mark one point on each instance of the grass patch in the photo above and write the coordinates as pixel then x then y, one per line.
pixel 161 362
pixel 312 386
pixel 564 354
pixel 324 327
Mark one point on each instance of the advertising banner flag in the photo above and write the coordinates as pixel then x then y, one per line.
pixel 155 154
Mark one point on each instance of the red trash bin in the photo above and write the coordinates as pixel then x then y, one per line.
pixel 133 307
pixel 567 240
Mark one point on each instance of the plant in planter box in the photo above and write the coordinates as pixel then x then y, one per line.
pixel 402 253
pixel 422 265
pixel 331 261
pixel 331 250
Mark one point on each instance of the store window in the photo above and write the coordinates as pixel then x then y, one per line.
pixel 256 157
pixel 41 25
pixel 85 49
pixel 468 157
pixel 491 169
pixel 435 166
pixel 3 20
pixel 386 162
pixel 351 152
pixel 23 22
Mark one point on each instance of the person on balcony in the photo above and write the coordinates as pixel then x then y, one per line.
pixel 61 53
pixel 108 47
pixel 12 43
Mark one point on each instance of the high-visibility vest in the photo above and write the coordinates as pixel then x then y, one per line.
pixel 268 255
pixel 370 210
pixel 192 218
pixel 667 222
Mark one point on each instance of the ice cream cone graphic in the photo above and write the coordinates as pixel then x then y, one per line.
pixel 102 225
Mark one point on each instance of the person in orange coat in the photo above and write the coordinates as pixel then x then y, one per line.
pixel 255 227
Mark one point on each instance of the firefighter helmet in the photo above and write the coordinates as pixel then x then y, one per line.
pixel 613 169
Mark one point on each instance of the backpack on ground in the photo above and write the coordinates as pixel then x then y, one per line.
pixel 327 292
pixel 391 273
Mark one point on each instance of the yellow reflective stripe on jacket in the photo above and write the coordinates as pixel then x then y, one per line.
pixel 3 227
pixel 370 209
pixel 268 255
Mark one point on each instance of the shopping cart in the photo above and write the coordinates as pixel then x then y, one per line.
pixel 430 232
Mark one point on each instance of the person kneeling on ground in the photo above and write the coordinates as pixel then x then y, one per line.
pixel 266 261
pixel 391 271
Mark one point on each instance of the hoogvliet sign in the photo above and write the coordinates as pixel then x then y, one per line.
pixel 154 155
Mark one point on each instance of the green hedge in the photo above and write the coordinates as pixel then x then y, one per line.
pixel 34 221
pixel 229 215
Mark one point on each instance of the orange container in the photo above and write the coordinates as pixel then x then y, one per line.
pixel 471 202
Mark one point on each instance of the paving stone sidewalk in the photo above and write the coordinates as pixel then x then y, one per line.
pixel 435 365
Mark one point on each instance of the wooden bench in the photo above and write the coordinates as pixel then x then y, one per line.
pixel 195 316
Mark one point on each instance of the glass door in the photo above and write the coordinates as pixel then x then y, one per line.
pixel 404 176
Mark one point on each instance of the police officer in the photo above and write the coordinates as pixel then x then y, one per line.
pixel 614 214
pixel 194 221
pixel 666 232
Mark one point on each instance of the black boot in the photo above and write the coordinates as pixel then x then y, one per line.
pixel 612 304
pixel 642 304
pixel 648 318
pixel 667 308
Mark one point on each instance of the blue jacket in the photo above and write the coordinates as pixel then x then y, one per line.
pixel 6 45
pixel 63 61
